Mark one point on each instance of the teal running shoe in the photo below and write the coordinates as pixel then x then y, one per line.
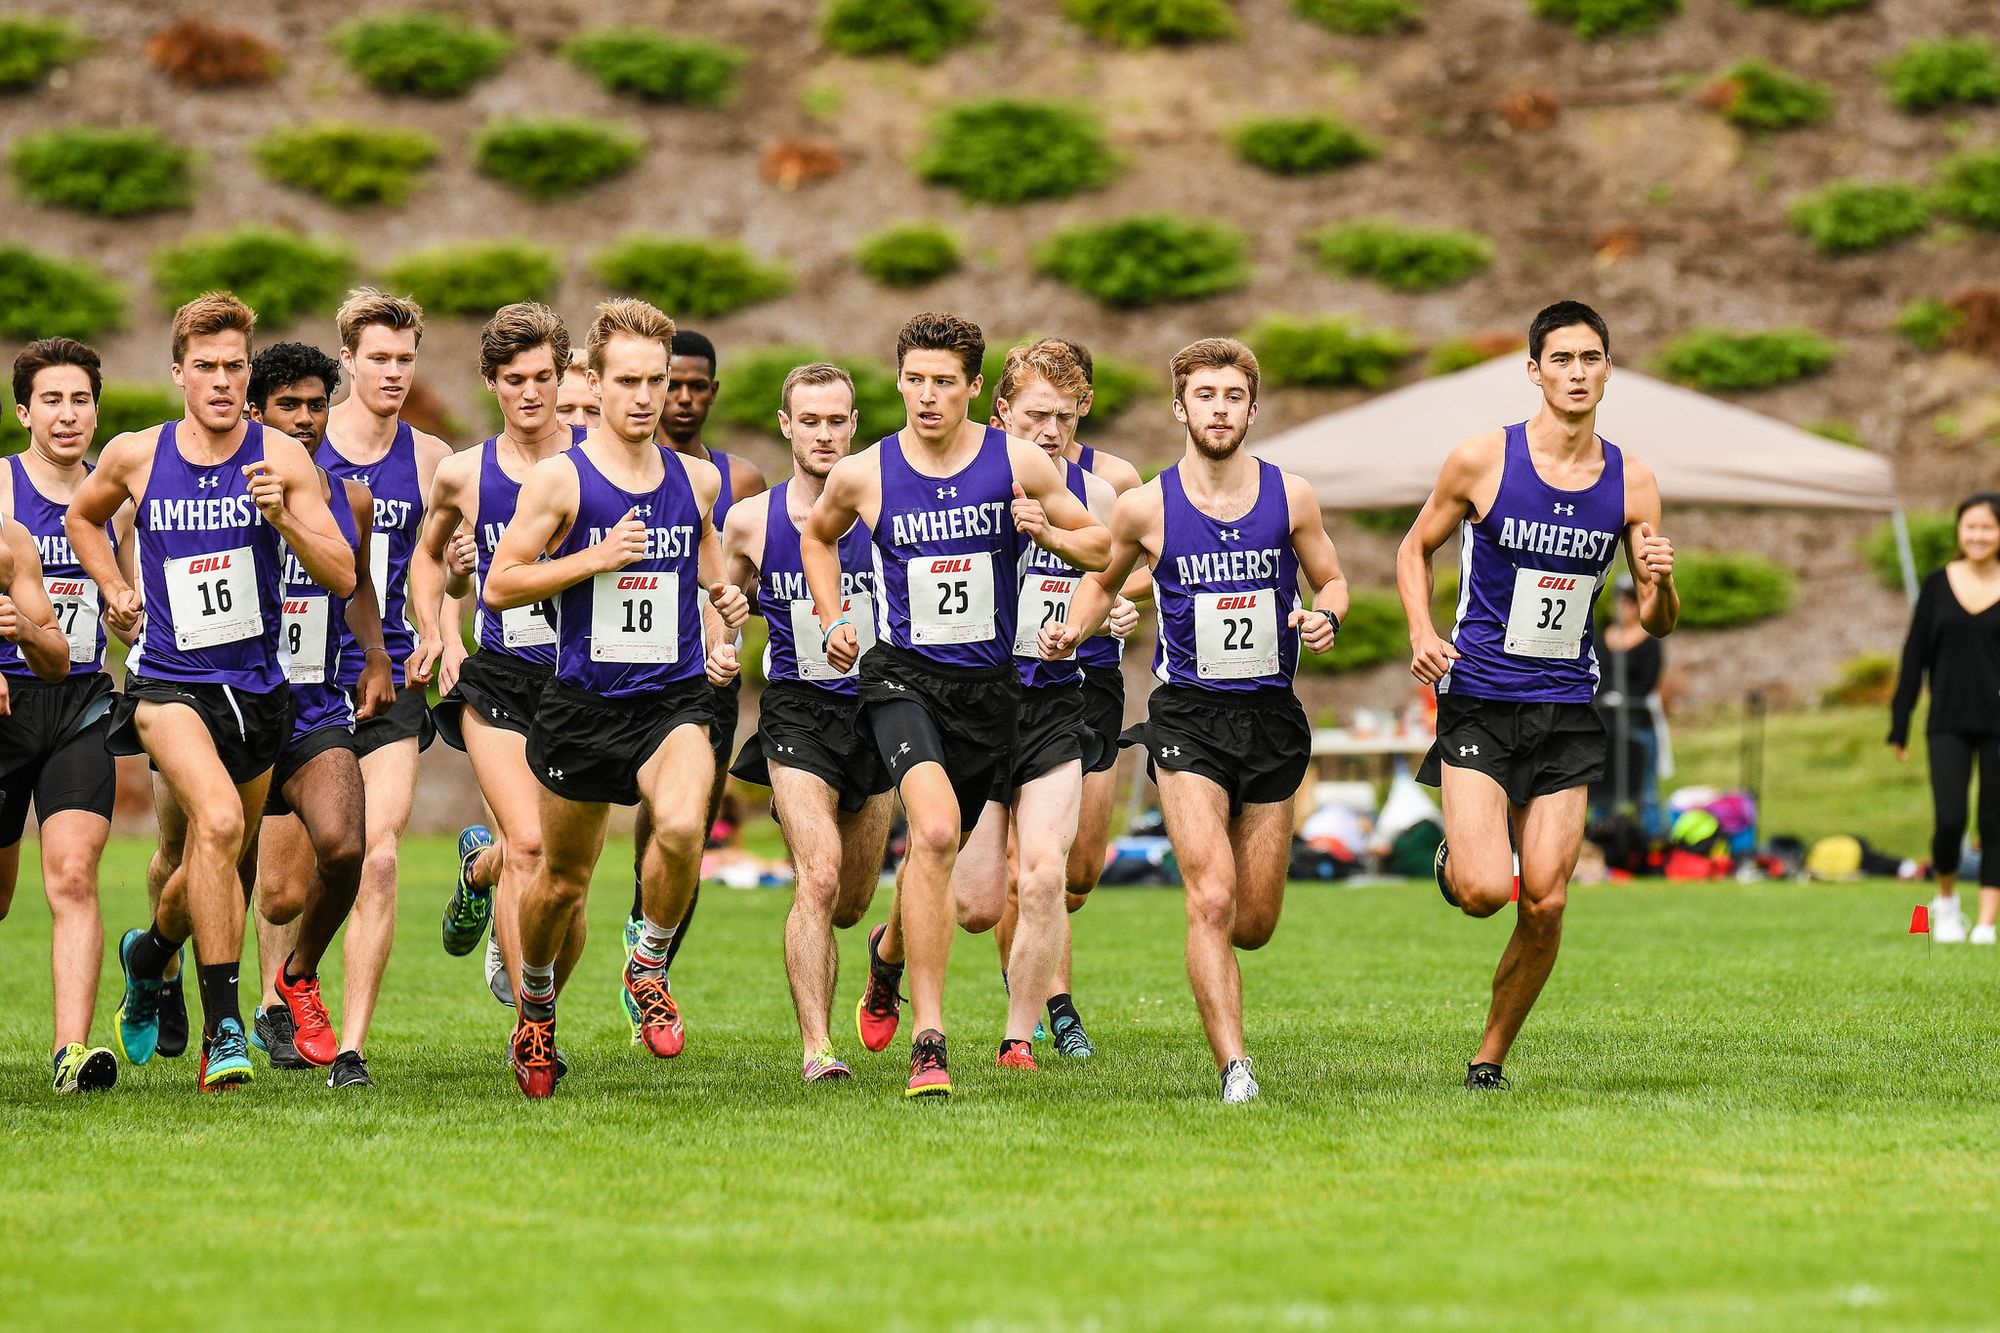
pixel 1072 1040
pixel 225 1058
pixel 1041 1033
pixel 471 907
pixel 631 1006
pixel 138 1028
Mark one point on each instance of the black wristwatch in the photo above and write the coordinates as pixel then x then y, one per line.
pixel 1331 619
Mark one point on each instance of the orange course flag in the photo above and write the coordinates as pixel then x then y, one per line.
pixel 1920 920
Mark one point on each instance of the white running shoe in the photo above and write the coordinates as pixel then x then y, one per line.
pixel 1947 921
pixel 1237 1085
pixel 1984 935
pixel 496 974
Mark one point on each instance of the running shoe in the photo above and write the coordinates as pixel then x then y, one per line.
pixel 534 1052
pixel 1071 1039
pixel 271 1033
pixel 1984 935
pixel 225 1058
pixel 312 1032
pixel 1486 1078
pixel 138 1028
pixel 470 907
pixel 632 1015
pixel 562 1061
pixel 1437 873
pixel 881 1004
pixel 496 973
pixel 85 1069
pixel 173 1041
pixel 1947 921
pixel 928 1076
pixel 1014 1055
pixel 349 1070
pixel 823 1066
pixel 1237 1085
pixel 658 1026
pixel 1041 1033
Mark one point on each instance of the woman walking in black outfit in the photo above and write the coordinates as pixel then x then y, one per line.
pixel 1955 639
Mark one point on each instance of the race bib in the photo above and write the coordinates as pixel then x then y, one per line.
pixel 951 598
pixel 529 626
pixel 1236 634
pixel 860 612
pixel 1045 601
pixel 1549 614
pixel 635 616
pixel 75 601
pixel 213 599
pixel 305 639
pixel 378 569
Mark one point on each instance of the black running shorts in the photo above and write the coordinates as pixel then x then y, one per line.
pixel 585 747
pixel 503 690
pixel 816 731
pixel 960 718
pixel 1255 745
pixel 302 751
pixel 1530 749
pixel 722 726
pixel 249 729
pixel 409 716
pixel 52 750
pixel 1049 733
pixel 1103 716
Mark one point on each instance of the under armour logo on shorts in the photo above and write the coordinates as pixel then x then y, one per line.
pixel 947 492
pixel 1565 509
pixel 556 773
pixel 1171 752
pixel 1231 534
pixel 208 483
pixel 892 685
pixel 784 749
pixel 1465 750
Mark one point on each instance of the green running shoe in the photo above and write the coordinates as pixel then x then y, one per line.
pixel 85 1070
pixel 225 1058
pixel 138 1028
pixel 625 999
pixel 471 907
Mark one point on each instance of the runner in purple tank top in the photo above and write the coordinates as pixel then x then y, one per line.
pixel 949 503
pixel 205 690
pixel 616 532
pixel 1227 537
pixel 1539 510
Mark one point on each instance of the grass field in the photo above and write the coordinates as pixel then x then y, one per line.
pixel 1747 1107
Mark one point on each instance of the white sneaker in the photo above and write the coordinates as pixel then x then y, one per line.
pixel 1237 1085
pixel 1947 921
pixel 1984 935
pixel 496 974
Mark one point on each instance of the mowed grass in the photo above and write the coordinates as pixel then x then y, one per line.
pixel 1762 1107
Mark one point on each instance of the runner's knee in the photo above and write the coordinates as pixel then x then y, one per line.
pixel 1211 906
pixel 69 878
pixel 217 831
pixel 280 904
pixel 1074 898
pixel 933 837
pixel 679 831
pixel 1543 911
pixel 340 856
pixel 1481 895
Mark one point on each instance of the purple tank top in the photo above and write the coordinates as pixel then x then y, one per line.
pixel 208 571
pixel 637 629
pixel 1099 650
pixel 787 605
pixel 1529 571
pixel 1225 589
pixel 399 514
pixel 318 643
pixel 945 553
pixel 78 606
pixel 1045 583
pixel 727 495
pixel 526 632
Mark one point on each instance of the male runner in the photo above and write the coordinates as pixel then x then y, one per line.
pixel 1539 509
pixel 205 697
pixel 306 854
pixel 576 405
pixel 828 789
pixel 57 697
pixel 366 441
pixel 616 531
pixel 1227 536
pixel 947 502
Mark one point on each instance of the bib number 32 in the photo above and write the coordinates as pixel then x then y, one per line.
pixel 1549 614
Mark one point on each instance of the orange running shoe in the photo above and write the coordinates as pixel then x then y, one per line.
pixel 535 1057
pixel 928 1077
pixel 659 1022
pixel 881 1004
pixel 1018 1055
pixel 313 1035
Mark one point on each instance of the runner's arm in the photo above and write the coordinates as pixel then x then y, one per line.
pixel 128 561
pixel 1131 519
pixel 743 546
pixel 26 618
pixel 836 510
pixel 1448 505
pixel 1063 524
pixel 1650 555
pixel 302 517
pixel 1319 562
pixel 519 576
pixel 97 501
pixel 428 578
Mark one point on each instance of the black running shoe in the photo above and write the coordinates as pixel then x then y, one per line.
pixel 1437 872
pixel 1486 1078
pixel 349 1071
pixel 173 1016
pixel 271 1033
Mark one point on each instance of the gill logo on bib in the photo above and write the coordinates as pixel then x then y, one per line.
pixel 1045 601
pixel 1236 634
pixel 1549 614
pixel 951 598
pixel 635 617
pixel 213 599
pixel 75 603
pixel 860 612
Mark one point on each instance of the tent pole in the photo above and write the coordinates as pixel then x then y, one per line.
pixel 1904 554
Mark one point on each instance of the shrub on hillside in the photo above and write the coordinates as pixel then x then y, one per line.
pixel 281 276
pixel 1301 145
pixel 1456 354
pixel 688 277
pixel 754 378
pixel 1390 522
pixel 43 297
pixel 124 407
pixel 1933 542
pixel 1138 23
pixel 1758 96
pixel 1970 188
pixel 1147 259
pixel 31 47
pixel 922 30
pixel 909 255
pixel 1952 71
pixel 1372 632
pixel 476 279
pixel 196 53
pixel 1361 18
pixel 1115 386
pixel 1605 18
pixel 549 159
pixel 1925 323
pixel 111 172
pixel 1865 679
pixel 1850 216
pixel 1717 360
pixel 1813 9
pixel 430 55
pixel 1721 588
pixel 1403 259
pixel 657 67
pixel 348 165
pixel 1326 353
pixel 1005 150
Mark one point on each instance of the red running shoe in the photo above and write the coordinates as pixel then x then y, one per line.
pixel 1018 1055
pixel 880 1010
pixel 659 1022
pixel 535 1058
pixel 313 1035
pixel 927 1072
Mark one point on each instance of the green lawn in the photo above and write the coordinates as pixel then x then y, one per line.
pixel 1745 1107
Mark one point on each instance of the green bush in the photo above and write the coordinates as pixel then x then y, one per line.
pixel 31 47
pixel 1933 542
pixel 1866 679
pixel 1361 18
pixel 475 280
pixel 657 67
pixel 280 275
pixel 1720 589
pixel 1970 188
pixel 1391 522
pixel 1403 259
pixel 688 277
pixel 1373 631
pixel 1758 96
pixel 1717 360
pixel 1456 354
pixel 1006 150
pixel 909 255
pixel 124 407
pixel 922 30
pixel 1146 259
pixel 1850 216
pixel 1812 9
pixel 750 396
pixel 1301 145
pixel 111 172
pixel 549 159
pixel 1137 23
pixel 1115 384
pixel 1924 323
pixel 426 54
pixel 348 165
pixel 1952 71
pixel 1604 18
pixel 42 297
pixel 1840 432
pixel 1327 353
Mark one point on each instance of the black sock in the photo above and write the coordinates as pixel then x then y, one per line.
pixel 292 978
pixel 1062 1006
pixel 638 898
pixel 218 995
pixel 150 954
pixel 876 959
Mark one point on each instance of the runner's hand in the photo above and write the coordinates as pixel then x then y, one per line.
pixel 6 700
pixel 1430 658
pixel 461 556
pixel 1315 630
pixel 267 490
pixel 722 665
pixel 843 648
pixel 1030 519
pixel 1058 640
pixel 376 690
pixel 623 544
pixel 422 662
pixel 1653 551
pixel 1902 753
pixel 122 610
pixel 12 622
pixel 729 603
pixel 449 663
pixel 1124 618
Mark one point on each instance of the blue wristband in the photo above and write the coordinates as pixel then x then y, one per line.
pixel 827 634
